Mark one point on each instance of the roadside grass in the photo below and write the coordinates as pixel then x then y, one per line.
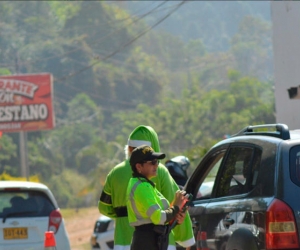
pixel 79 225
pixel 68 213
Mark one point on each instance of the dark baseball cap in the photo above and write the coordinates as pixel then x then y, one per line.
pixel 144 153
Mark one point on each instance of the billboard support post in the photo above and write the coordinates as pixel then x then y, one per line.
pixel 23 155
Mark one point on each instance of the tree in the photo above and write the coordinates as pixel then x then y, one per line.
pixel 198 118
pixel 252 48
pixel 79 130
pixel 8 155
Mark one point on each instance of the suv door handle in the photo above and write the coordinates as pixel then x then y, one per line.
pixel 228 222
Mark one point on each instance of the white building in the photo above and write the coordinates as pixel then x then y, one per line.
pixel 286 45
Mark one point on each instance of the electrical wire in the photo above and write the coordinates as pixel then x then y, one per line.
pixel 32 61
pixel 121 47
pixel 118 50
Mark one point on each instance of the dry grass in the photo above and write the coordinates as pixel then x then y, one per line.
pixel 80 225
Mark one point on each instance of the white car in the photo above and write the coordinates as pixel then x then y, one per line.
pixel 103 235
pixel 27 211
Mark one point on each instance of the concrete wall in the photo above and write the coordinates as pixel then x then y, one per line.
pixel 286 45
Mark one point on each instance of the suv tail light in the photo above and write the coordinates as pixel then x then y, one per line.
pixel 55 219
pixel 281 232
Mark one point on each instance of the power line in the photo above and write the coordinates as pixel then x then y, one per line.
pixel 28 62
pixel 123 46
pixel 110 55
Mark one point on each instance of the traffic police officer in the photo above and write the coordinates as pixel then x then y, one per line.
pixel 148 210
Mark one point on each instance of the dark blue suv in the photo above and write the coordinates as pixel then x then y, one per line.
pixel 247 191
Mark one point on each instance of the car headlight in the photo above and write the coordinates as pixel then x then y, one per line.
pixel 93 240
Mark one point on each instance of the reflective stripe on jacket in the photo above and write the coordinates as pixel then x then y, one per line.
pixel 145 203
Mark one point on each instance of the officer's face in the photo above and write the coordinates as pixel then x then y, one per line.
pixel 149 168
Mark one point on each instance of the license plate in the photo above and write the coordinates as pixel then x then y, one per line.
pixel 15 233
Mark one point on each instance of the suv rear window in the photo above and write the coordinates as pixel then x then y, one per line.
pixel 24 204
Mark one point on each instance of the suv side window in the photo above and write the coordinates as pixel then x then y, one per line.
pixel 212 169
pixel 238 176
pixel 295 165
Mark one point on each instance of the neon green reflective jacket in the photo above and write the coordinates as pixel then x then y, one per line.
pixel 145 204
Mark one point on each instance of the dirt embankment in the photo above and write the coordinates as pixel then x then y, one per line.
pixel 80 228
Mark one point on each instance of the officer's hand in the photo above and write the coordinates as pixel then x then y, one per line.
pixel 180 217
pixel 180 198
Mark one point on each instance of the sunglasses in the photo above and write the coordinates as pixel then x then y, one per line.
pixel 153 162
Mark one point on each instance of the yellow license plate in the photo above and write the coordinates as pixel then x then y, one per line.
pixel 15 233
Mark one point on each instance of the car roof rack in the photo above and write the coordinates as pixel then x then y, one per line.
pixel 278 130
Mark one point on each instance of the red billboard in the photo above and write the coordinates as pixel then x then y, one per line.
pixel 26 102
